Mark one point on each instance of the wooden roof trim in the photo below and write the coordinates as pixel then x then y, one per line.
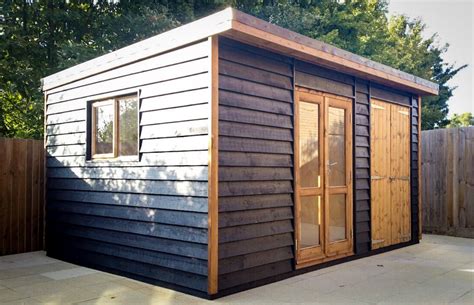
pixel 251 29
pixel 180 36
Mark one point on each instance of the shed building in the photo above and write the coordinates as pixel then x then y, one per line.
pixel 229 153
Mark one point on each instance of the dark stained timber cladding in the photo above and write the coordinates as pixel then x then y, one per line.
pixel 255 164
pixel 389 94
pixel 414 153
pixel 362 236
pixel 145 219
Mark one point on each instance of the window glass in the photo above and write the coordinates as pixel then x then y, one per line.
pixel 128 126
pixel 114 127
pixel 310 220
pixel 104 129
pixel 309 145
pixel 337 217
pixel 336 138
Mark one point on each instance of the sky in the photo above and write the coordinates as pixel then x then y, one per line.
pixel 453 21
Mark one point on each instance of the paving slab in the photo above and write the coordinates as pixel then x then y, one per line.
pixel 439 270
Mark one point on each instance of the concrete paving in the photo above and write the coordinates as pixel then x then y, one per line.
pixel 440 270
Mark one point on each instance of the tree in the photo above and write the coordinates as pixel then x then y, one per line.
pixel 461 120
pixel 41 37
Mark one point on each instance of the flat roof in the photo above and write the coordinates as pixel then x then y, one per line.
pixel 254 31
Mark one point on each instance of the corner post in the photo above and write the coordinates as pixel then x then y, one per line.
pixel 213 213
pixel 420 210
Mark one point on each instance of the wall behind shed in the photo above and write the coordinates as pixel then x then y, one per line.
pixel 145 219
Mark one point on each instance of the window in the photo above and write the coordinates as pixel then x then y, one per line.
pixel 114 127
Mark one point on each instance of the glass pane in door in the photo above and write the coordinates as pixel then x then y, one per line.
pixel 337 217
pixel 309 145
pixel 310 221
pixel 336 138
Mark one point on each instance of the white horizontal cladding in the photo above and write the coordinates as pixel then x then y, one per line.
pixel 195 112
pixel 175 99
pixel 175 57
pixel 180 158
pixel 182 203
pixel 175 129
pixel 175 144
pixel 66 106
pixel 66 139
pixel 186 34
pixel 156 76
pixel 175 188
pixel 179 173
pixel 66 128
pixel 66 150
pixel 72 116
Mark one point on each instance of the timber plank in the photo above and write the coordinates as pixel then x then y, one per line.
pixel 243 203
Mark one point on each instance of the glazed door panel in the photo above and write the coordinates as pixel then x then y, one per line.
pixel 323 167
pixel 390 180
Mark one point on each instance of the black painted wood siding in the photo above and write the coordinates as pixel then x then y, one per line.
pixel 145 219
pixel 362 233
pixel 255 164
pixel 415 155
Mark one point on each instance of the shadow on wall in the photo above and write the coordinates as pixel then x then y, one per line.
pixel 131 218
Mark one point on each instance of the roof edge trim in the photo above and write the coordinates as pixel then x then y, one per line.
pixel 245 27
pixel 194 31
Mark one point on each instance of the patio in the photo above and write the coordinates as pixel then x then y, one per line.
pixel 439 270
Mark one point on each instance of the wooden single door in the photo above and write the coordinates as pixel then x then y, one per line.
pixel 390 174
pixel 323 167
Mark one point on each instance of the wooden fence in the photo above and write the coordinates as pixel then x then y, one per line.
pixel 21 195
pixel 448 181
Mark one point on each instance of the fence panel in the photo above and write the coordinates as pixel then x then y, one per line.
pixel 448 181
pixel 21 195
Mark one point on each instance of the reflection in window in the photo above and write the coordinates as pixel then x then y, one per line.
pixel 104 128
pixel 115 127
pixel 310 220
pixel 336 138
pixel 309 144
pixel 128 126
pixel 337 217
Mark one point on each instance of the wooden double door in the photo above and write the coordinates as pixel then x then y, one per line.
pixel 323 171
pixel 390 174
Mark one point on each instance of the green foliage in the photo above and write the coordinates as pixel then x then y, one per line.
pixel 40 37
pixel 461 120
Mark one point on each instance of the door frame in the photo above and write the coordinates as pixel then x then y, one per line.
pixel 380 240
pixel 325 251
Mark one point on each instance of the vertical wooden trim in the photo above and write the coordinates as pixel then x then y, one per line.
pixel 43 182
pixel 325 185
pixel 369 99
pixel 420 227
pixel 296 178
pixel 213 213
